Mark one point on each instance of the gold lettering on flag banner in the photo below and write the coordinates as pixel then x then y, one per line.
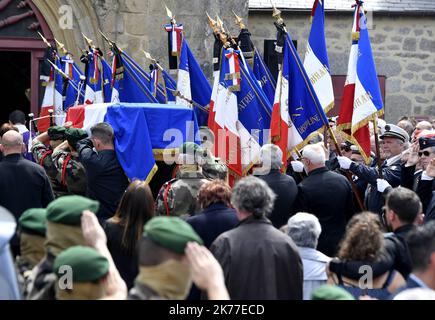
pixel 245 101
pixel 312 120
pixel 362 100
pixel 316 76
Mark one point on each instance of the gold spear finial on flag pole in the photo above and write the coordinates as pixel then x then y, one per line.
pixel 149 57
pixel 170 15
pixel 45 40
pixel 239 21
pixel 59 70
pixel 220 23
pixel 277 15
pixel 110 42
pixel 212 23
pixel 88 41
pixel 61 47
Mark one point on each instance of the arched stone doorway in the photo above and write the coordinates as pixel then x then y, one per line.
pixel 22 50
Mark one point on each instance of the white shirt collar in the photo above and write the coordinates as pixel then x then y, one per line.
pixel 393 159
pixel 21 128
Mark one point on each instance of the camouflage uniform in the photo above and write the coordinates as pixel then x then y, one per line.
pixel 178 197
pixel 70 172
pixel 43 155
pixel 214 168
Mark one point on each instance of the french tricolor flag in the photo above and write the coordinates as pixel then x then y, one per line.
pixel 362 99
pixel 316 61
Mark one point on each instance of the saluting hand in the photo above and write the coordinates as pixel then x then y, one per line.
pixel 92 230
pixel 206 271
pixel 430 170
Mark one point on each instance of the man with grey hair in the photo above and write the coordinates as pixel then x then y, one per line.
pixel 281 184
pixel 394 141
pixel 259 262
pixel 305 229
pixel 327 195
pixel 23 184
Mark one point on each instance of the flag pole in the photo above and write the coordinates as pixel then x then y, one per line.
pixel 378 152
pixel 348 175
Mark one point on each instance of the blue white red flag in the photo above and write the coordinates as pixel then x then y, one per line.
pixel 316 58
pixel 362 99
pixel 193 84
pixel 264 77
pixel 297 112
pixel 241 115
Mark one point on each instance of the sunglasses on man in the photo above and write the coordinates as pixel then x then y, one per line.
pixel 424 153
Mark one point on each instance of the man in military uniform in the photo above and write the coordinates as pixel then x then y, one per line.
pixel 163 274
pixel 394 141
pixel 70 171
pixel 42 151
pixel 178 197
pixel 32 229
pixel 63 231
pixel 212 167
pixel 89 270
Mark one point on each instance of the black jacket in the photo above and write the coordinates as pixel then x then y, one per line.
pixel 286 190
pixel 259 262
pixel 213 221
pixel 126 263
pixel 395 257
pixel 327 195
pixel 23 185
pixel 106 179
pixel 374 200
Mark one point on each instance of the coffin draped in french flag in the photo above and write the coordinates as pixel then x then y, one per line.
pixel 142 131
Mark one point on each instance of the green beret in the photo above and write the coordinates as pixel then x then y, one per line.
pixel 87 264
pixel 190 148
pixel 68 210
pixel 74 135
pixel 215 169
pixel 329 292
pixel 171 233
pixel 56 133
pixel 33 221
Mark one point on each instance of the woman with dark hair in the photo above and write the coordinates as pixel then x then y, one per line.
pixel 364 241
pixel 125 229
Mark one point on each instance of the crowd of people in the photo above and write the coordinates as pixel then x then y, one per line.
pixel 330 226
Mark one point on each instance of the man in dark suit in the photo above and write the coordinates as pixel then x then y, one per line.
pixel 327 195
pixel 23 184
pixel 394 140
pixel 281 184
pixel 107 181
pixel 259 261
pixel 421 244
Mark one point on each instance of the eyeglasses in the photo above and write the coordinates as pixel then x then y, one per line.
pixel 424 153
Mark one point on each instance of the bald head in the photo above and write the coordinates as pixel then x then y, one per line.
pixel 12 142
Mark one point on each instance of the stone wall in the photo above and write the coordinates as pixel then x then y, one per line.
pixel 137 25
pixel 403 47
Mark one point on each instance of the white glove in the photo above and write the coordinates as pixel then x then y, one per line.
pixel 344 162
pixel 382 185
pixel 297 166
